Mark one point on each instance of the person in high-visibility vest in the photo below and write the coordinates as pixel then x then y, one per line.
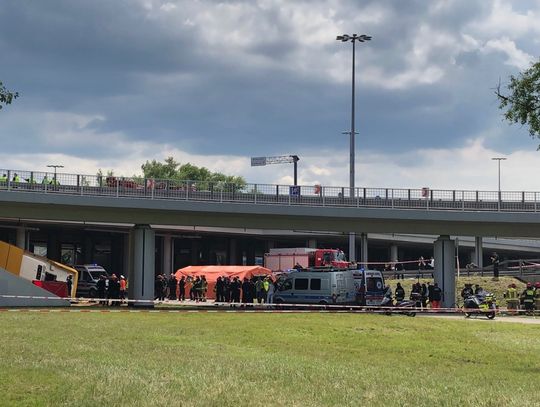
pixel 16 178
pixel 3 178
pixel 527 299
pixel 512 300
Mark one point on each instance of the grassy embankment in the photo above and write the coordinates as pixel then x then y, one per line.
pixel 221 359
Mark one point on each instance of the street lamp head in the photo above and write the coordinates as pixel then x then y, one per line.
pixel 354 37
pixel 499 158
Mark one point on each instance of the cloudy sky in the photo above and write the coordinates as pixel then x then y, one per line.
pixel 109 84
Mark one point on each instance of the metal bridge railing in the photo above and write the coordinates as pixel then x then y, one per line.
pixel 267 194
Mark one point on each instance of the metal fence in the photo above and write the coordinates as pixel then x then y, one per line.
pixel 267 194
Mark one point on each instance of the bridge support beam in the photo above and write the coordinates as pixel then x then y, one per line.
pixel 312 243
pixel 445 270
pixel 21 238
pixel 142 265
pixel 364 248
pixel 167 255
pixel 393 253
pixel 352 246
pixel 478 252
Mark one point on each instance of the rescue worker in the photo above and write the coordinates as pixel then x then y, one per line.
pixel 537 295
pixel 3 179
pixel 467 291
pixel 265 288
pixel 69 284
pixel 113 292
pixel 45 180
pixel 204 288
pixel 182 289
pixel 512 300
pixel 219 290
pixel 16 178
pixel 527 299
pixel 400 293
pixel 259 290
pixel 246 292
pixel 172 287
pixel 123 286
pixel 100 286
pixel 437 297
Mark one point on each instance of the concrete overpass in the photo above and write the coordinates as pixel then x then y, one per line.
pixel 142 203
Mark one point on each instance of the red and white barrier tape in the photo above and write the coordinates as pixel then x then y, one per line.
pixel 265 307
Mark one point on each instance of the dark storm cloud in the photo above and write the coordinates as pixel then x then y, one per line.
pixel 156 76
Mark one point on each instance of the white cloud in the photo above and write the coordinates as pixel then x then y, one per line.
pixel 504 20
pixel 515 56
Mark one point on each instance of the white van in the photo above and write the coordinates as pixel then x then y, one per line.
pixel 89 275
pixel 316 287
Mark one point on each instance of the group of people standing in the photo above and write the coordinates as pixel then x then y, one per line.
pixel 111 290
pixel 247 291
pixel 529 298
pixel 226 289
pixel 422 294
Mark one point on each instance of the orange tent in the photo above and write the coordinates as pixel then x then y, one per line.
pixel 211 273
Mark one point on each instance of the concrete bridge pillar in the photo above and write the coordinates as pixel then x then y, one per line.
pixel 478 252
pixel 167 255
pixel 233 251
pixel 352 246
pixel 393 252
pixel 20 238
pixel 142 265
pixel 363 248
pixel 445 270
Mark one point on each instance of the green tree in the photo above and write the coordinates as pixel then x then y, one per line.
pixel 173 170
pixel 522 103
pixel 6 96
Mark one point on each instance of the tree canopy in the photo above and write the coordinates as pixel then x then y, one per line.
pixel 522 103
pixel 171 169
pixel 6 96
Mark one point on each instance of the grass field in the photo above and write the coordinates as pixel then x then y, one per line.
pixel 221 359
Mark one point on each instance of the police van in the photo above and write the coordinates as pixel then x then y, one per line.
pixel 316 287
pixel 89 274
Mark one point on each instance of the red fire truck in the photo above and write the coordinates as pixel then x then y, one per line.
pixel 287 259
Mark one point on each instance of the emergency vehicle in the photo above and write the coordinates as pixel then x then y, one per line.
pixel 286 259
pixel 316 286
pixel 369 287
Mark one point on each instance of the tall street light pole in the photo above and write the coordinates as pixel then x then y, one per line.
pixel 353 38
pixel 499 159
